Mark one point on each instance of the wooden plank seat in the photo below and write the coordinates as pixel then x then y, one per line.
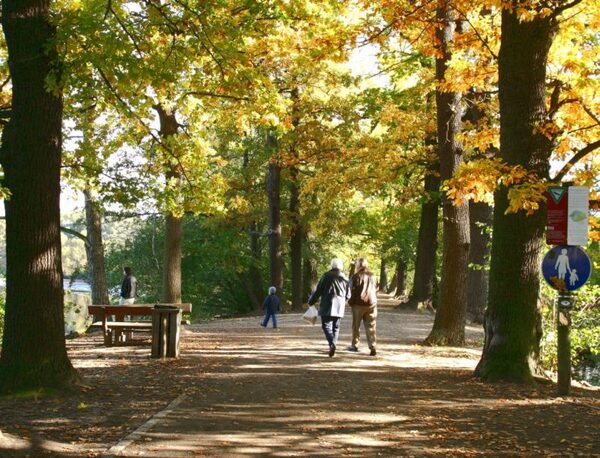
pixel 114 330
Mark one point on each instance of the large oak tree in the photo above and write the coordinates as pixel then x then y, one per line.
pixel 33 347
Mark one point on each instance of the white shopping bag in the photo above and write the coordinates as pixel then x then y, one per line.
pixel 311 314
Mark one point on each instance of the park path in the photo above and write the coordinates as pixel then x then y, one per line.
pixel 277 393
pixel 241 390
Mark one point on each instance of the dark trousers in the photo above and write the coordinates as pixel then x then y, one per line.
pixel 265 320
pixel 331 328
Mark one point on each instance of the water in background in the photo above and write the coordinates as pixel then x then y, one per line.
pixel 589 374
pixel 77 298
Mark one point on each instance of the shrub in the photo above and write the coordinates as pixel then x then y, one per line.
pixel 585 327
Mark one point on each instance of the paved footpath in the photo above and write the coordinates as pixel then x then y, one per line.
pixel 277 393
pixel 242 390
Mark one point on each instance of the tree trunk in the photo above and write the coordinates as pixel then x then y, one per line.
pixel 33 346
pixel 274 194
pixel 256 292
pixel 295 240
pixel 173 223
pixel 296 234
pixel 512 319
pixel 423 284
pixel 250 288
pixel 254 271
pixel 480 220
pixel 393 284
pixel 310 274
pixel 401 274
pixel 383 280
pixel 94 249
pixel 172 267
pixel 450 317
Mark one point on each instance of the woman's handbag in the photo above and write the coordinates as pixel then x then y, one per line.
pixel 311 314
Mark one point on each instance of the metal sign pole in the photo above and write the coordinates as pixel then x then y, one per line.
pixel 563 324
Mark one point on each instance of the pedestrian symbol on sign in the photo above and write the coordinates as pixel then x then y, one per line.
pixel 566 268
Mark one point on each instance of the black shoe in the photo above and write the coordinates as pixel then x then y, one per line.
pixel 373 352
pixel 352 348
pixel 331 351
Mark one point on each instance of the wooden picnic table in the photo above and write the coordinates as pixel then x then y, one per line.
pixel 112 330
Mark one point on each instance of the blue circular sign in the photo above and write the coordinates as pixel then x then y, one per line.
pixel 566 268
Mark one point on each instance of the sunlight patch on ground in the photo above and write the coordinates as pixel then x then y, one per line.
pixel 357 439
pixel 478 403
pixel 408 360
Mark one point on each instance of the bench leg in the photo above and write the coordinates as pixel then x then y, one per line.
pixel 108 338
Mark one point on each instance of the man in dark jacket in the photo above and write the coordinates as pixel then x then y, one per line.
pixel 128 287
pixel 363 300
pixel 333 292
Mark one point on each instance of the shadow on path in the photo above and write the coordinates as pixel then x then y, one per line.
pixel 264 392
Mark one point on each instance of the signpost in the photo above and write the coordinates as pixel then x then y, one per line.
pixel 566 267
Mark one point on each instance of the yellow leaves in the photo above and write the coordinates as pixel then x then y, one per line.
pixel 526 197
pixel 478 180
pixel 482 139
pixel 67 5
pixel 594 232
pixel 549 129
pixel 240 205
pixel 269 120
pixel 475 180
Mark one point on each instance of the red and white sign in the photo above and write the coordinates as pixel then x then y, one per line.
pixel 557 204
pixel 568 214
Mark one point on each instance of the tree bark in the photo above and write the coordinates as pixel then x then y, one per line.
pixel 33 346
pixel 173 223
pixel 94 249
pixel 401 274
pixel 256 291
pixel 296 237
pixel 512 319
pixel 383 280
pixel 274 194
pixel 172 266
pixel 310 274
pixel 423 284
pixel 393 284
pixel 254 270
pixel 480 220
pixel 450 317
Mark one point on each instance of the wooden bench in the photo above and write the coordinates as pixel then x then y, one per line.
pixel 112 330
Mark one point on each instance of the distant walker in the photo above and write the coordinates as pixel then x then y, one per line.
pixel 128 287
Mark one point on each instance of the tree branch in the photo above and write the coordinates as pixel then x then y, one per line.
pixel 576 158
pixel 68 230
pixel 559 9
pixel 77 234
pixel 484 41
pixel 212 94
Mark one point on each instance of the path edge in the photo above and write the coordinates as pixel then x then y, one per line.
pixel 120 447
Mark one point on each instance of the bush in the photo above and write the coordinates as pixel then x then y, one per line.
pixel 585 327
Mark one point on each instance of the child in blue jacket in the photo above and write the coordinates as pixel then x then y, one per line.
pixel 271 306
